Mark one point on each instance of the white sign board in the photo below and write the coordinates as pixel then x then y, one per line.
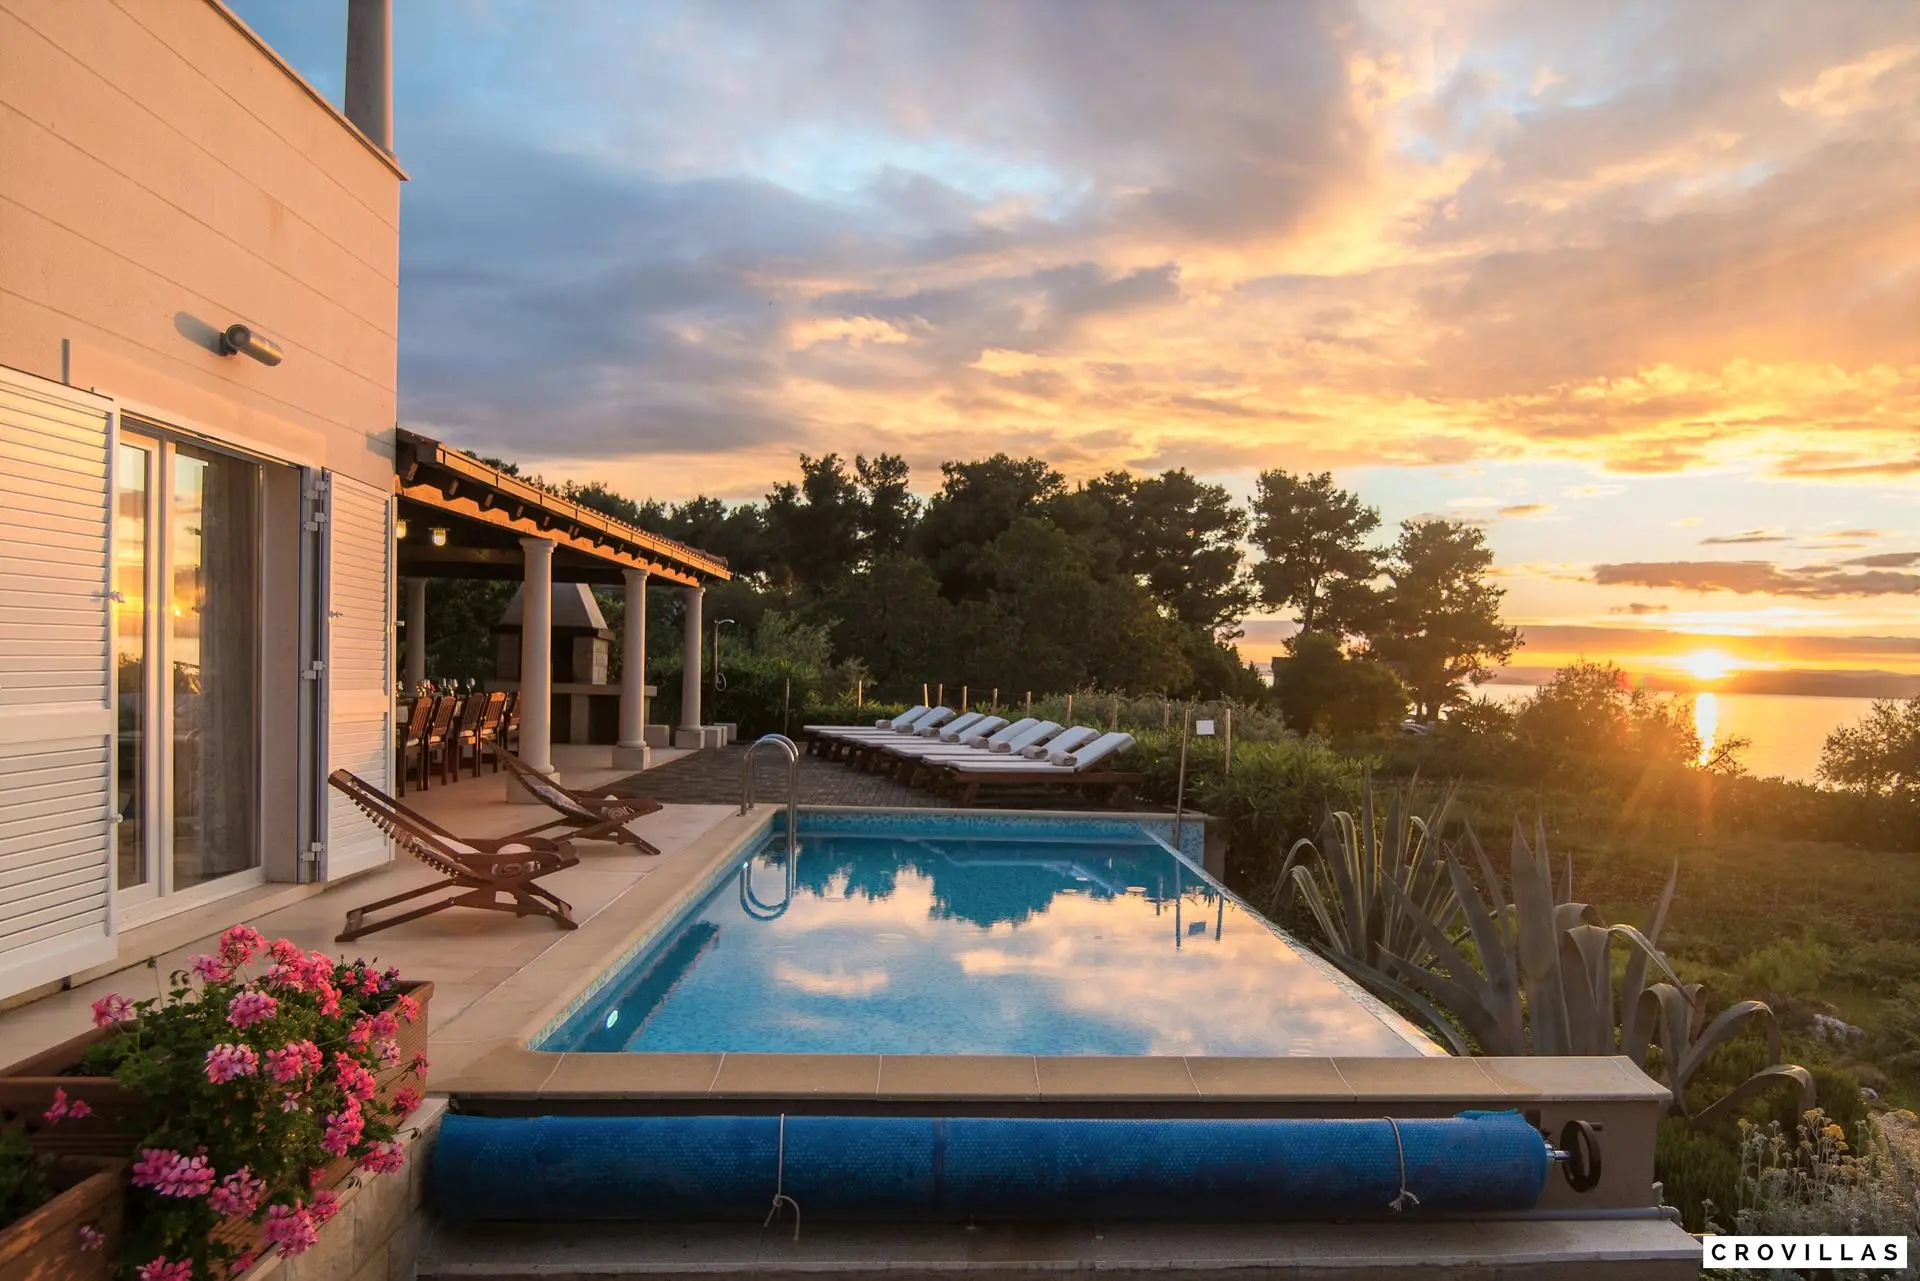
pixel 1203 728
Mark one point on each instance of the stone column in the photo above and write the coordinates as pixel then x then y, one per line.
pixel 536 663
pixel 689 733
pixel 416 634
pixel 632 752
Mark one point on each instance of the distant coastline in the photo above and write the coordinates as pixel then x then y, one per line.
pixel 1807 683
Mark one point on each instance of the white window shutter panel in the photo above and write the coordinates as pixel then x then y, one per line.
pixel 57 722
pixel 358 676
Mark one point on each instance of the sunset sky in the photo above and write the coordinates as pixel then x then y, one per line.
pixel 1636 286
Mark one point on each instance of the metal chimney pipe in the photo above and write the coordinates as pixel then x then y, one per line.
pixel 370 69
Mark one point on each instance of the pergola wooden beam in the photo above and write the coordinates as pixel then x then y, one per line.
pixel 470 509
pixel 431 473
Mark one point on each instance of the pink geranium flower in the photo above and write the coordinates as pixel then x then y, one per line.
pixel 238 1195
pixel 290 1228
pixel 343 1129
pixel 354 1079
pixel 63 1108
pixel 405 1100
pixel 164 1269
pixel 211 969
pixel 241 944
pixel 231 1062
pixel 91 1238
pixel 293 1060
pixel 109 1010
pixel 168 1173
pixel 249 1008
pixel 325 1206
pixel 384 1158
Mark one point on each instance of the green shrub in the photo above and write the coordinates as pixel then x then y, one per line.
pixel 1699 1173
pixel 1821 1181
pixel 1791 967
pixel 1882 966
pixel 1896 1041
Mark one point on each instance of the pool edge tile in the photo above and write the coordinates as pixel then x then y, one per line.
pixel 974 1077
pixel 632 1076
pixel 813 1076
pixel 1100 1077
pixel 1277 1080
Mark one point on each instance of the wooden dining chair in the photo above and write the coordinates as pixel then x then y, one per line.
pixel 466 732
pixel 510 722
pixel 492 717
pixel 413 741
pixel 439 739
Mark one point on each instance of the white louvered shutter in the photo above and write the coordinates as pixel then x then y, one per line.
pixel 359 666
pixel 56 681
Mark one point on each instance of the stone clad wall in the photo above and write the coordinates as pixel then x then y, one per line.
pixel 376 1236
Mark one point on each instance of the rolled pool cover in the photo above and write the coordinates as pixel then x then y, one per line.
pixel 715 1169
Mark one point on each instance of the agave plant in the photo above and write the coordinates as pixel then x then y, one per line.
pixel 1343 880
pixel 1534 975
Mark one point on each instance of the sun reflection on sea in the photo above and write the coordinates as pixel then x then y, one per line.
pixel 1706 723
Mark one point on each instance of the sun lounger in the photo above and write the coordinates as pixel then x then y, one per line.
pixel 844 741
pixel 591 817
pixel 494 875
pixel 1003 746
pixel 1085 769
pixel 1064 741
pixel 892 757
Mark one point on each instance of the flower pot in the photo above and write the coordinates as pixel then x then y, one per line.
pixel 26 1091
pixel 47 1244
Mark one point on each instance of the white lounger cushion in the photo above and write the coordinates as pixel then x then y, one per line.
pixel 981 728
pixel 937 731
pixel 1039 732
pixel 1065 742
pixel 1098 750
pixel 1001 735
pixel 1093 753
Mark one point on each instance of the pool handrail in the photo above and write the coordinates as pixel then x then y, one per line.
pixel 788 746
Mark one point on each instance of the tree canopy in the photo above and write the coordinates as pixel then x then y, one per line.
pixel 1007 576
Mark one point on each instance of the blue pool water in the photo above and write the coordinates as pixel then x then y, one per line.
pixel 925 937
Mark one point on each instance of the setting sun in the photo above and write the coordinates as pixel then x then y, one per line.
pixel 1709 664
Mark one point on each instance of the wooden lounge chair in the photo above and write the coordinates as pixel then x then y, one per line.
pixel 496 875
pixel 510 722
pixel 591 818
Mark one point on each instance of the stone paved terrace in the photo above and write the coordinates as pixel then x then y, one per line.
pixel 712 777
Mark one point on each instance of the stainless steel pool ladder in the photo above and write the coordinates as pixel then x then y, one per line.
pixel 786 745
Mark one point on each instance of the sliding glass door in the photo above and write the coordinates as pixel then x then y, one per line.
pixel 188 529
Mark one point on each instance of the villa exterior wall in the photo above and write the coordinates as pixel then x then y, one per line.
pixel 163 175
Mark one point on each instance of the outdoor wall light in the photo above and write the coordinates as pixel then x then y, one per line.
pixel 240 340
pixel 439 536
pixel 400 528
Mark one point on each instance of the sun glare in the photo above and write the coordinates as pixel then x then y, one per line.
pixel 1709 664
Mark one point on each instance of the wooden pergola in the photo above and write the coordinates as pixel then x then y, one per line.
pixel 459 517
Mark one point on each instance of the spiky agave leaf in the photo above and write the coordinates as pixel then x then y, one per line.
pixel 1538 943
pixel 1465 991
pixel 1634 982
pixel 1767 1078
pixel 1386 985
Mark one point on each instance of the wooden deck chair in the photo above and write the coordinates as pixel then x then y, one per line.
pixel 494 875
pixel 591 818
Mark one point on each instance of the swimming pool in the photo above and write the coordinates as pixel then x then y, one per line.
pixel 941 934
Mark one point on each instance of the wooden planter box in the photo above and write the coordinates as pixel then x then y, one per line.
pixel 26 1091
pixel 45 1245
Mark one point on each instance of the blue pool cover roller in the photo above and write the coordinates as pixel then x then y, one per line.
pixel 716 1169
